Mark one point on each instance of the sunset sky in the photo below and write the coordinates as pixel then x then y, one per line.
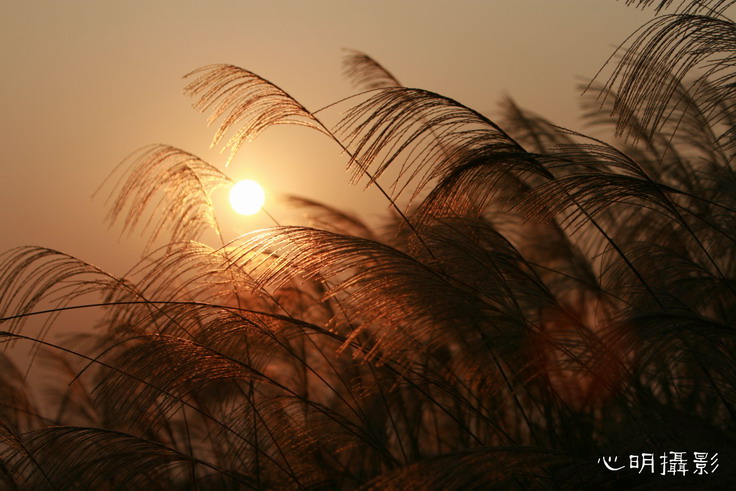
pixel 85 83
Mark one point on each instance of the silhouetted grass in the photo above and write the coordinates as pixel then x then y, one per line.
pixel 546 300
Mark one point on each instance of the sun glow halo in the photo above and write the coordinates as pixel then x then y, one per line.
pixel 247 197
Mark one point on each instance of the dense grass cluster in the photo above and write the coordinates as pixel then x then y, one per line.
pixel 545 300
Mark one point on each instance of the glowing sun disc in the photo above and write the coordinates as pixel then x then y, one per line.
pixel 247 197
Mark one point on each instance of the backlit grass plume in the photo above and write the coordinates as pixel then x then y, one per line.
pixel 545 300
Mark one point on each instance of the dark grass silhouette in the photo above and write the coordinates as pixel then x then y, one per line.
pixel 546 300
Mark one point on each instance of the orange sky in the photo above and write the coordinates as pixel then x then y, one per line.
pixel 86 82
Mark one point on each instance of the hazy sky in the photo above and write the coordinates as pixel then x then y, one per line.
pixel 84 83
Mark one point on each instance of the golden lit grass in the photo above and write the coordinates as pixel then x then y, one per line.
pixel 548 299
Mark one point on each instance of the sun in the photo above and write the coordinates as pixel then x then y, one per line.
pixel 247 197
